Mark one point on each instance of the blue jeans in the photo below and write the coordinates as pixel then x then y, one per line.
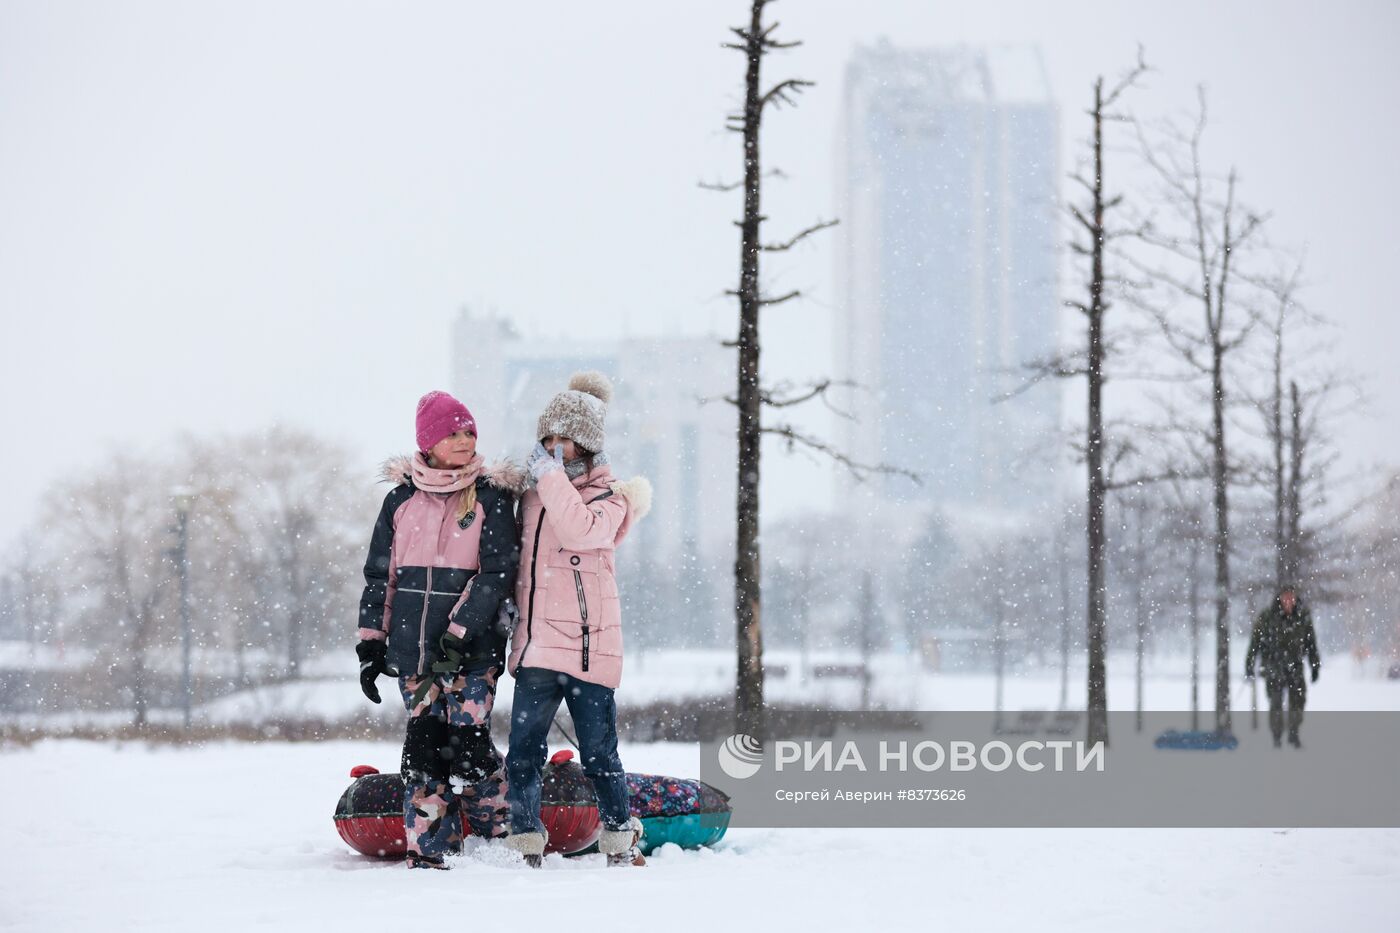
pixel 537 695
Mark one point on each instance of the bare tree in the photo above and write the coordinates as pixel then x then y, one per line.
pixel 1372 600
pixel 296 509
pixel 1306 396
pixel 1199 243
pixel 1097 234
pixel 115 528
pixel 755 41
pixel 1283 420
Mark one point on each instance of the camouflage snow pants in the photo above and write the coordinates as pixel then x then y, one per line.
pixel 454 779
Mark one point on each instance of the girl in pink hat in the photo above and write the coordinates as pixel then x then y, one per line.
pixel 442 562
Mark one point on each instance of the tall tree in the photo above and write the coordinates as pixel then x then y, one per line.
pixel 1091 218
pixel 756 41
pixel 116 528
pixel 1201 238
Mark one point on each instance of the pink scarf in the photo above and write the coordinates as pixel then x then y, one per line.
pixel 430 479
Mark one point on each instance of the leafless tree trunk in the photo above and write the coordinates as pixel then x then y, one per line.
pixel 1090 362
pixel 1064 618
pixel 748 695
pixel 866 622
pixel 1195 597
pixel 1139 608
pixel 1273 410
pixel 1292 548
pixel 756 41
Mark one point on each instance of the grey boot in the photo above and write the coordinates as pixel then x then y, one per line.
pixel 530 846
pixel 620 845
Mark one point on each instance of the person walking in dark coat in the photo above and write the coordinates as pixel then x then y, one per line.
pixel 1282 633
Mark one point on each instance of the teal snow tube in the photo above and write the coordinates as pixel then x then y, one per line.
pixel 687 812
pixel 689 831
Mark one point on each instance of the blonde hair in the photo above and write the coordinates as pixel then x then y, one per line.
pixel 466 501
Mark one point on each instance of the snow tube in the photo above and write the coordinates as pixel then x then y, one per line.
pixel 369 815
pixel 691 814
pixel 1197 740
pixel 688 813
pixel 568 808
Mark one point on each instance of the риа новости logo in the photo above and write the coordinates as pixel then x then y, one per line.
pixel 741 756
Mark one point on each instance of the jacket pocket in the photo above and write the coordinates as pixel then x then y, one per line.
pixel 574 590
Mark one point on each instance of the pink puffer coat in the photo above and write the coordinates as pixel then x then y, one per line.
pixel 566 591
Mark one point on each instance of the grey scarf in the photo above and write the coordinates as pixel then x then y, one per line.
pixel 573 469
pixel 576 468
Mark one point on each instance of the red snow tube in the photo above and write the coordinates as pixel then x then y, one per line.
pixel 369 815
pixel 568 807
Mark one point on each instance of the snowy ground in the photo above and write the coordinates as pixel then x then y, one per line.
pixel 237 836
pixel 232 836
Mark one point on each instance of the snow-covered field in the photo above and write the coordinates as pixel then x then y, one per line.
pixel 238 836
pixel 232 836
pixel 332 694
pixel 898 683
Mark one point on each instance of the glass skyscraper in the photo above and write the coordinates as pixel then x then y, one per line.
pixel 948 184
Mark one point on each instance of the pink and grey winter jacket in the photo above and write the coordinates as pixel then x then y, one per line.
pixel 566 591
pixel 427 569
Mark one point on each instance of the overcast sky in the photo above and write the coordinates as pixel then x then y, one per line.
pixel 214 216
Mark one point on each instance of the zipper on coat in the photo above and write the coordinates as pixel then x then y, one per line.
pixel 530 610
pixel 583 612
pixel 423 623
pixel 582 600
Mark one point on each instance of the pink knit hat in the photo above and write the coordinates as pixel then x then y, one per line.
pixel 439 415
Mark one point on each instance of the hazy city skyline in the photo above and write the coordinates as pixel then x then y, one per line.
pixel 221 216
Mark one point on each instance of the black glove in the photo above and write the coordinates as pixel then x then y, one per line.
pixel 1317 669
pixel 451 661
pixel 1249 669
pixel 373 662
pixel 452 654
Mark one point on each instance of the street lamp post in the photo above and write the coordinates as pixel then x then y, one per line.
pixel 184 499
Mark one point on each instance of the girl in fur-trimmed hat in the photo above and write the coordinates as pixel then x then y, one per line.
pixel 567 643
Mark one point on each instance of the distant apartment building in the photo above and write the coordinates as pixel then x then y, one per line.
pixel 658 425
pixel 948 182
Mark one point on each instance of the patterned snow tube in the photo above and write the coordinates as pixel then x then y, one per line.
pixel 689 813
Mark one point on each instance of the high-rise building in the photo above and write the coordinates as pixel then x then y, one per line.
pixel 948 184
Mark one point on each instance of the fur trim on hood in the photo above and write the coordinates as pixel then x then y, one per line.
pixel 637 492
pixel 503 474
pixel 507 475
pixel 396 470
